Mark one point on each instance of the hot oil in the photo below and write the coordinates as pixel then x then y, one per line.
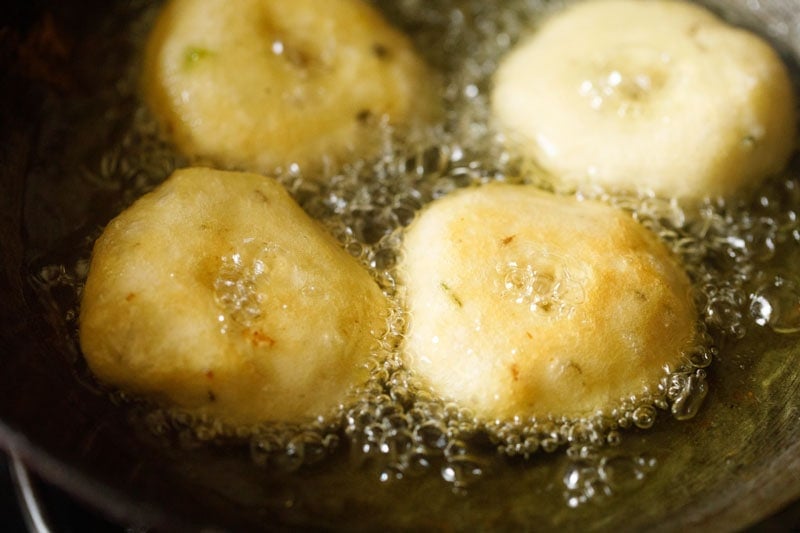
pixel 394 432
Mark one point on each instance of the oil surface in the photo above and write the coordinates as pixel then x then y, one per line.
pixel 394 432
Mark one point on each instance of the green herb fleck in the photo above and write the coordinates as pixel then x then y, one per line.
pixel 749 142
pixel 194 54
pixel 452 295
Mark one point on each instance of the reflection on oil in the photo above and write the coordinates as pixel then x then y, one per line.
pixel 392 423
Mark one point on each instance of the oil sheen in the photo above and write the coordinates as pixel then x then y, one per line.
pixel 393 428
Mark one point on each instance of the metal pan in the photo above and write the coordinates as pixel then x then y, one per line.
pixel 737 462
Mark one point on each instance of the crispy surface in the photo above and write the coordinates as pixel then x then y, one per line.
pixel 526 303
pixel 218 294
pixel 258 84
pixel 660 96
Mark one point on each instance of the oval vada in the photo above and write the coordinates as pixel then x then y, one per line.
pixel 264 84
pixel 525 303
pixel 217 294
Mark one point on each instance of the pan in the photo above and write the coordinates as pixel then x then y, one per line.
pixel 69 109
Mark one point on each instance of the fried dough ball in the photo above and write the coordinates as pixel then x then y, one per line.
pixel 525 303
pixel 262 84
pixel 217 294
pixel 657 96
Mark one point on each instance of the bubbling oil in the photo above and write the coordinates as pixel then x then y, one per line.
pixel 393 422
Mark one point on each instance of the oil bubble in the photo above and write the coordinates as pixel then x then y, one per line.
pixel 594 475
pixel 701 356
pixel 236 287
pixel 544 283
pixel 776 304
pixel 620 472
pixel 392 420
pixel 431 435
pixel 577 473
pixel 462 471
pixel 644 416
pixel 687 392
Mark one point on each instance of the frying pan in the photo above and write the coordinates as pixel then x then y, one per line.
pixel 736 462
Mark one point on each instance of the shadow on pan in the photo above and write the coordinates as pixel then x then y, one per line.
pixel 736 463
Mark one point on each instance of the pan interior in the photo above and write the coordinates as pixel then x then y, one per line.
pixel 79 147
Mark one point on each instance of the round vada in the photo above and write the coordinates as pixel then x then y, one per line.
pixel 524 303
pixel 218 295
pixel 647 96
pixel 264 84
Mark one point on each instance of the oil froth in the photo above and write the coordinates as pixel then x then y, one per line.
pixel 393 420
pixel 545 283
